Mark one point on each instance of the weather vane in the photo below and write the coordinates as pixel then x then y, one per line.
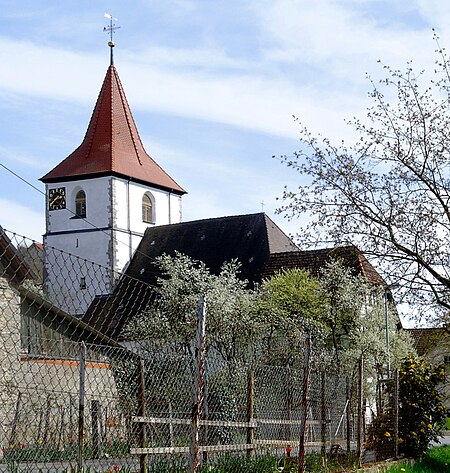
pixel 110 29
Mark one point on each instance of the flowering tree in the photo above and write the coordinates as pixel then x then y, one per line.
pixel 389 191
pixel 172 319
pixel 356 317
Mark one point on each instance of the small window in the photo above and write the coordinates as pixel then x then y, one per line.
pixel 80 204
pixel 147 209
pixel 83 283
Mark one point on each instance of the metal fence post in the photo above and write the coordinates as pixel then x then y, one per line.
pixel 198 385
pixel 250 408
pixel 348 412
pixel 396 407
pixel 323 415
pixel 306 372
pixel 205 408
pixel 81 405
pixel 143 458
pixel 360 409
pixel 95 420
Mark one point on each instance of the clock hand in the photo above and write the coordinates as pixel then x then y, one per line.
pixel 55 199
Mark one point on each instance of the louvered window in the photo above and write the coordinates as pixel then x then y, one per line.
pixel 80 204
pixel 147 209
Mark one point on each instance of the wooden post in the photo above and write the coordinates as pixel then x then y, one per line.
pixel 199 356
pixel 12 438
pixel 95 419
pixel 306 372
pixel 396 408
pixel 348 412
pixel 250 408
pixel 323 418
pixel 205 408
pixel 143 458
pixel 360 409
pixel 290 401
pixel 47 420
pixel 81 405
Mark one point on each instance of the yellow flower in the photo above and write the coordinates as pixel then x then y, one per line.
pixel 429 426
pixel 387 434
pixel 402 469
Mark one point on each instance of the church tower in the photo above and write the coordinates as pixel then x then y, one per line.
pixel 101 198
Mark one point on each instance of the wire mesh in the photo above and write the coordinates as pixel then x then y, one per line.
pixel 75 394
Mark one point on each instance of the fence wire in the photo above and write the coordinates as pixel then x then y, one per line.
pixel 75 394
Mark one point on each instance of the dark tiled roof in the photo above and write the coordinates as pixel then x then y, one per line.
pixel 314 260
pixel 250 239
pixel 254 240
pixel 112 145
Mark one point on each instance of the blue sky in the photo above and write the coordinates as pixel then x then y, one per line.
pixel 213 86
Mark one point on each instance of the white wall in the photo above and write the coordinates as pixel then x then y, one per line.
pixel 108 236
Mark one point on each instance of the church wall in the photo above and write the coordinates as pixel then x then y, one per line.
pixel 97 201
pixel 127 216
pixel 166 206
pixel 64 272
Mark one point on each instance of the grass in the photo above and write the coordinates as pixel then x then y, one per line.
pixel 436 460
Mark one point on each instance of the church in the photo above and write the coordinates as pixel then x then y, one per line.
pixel 110 204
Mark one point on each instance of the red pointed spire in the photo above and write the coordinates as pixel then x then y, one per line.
pixel 112 145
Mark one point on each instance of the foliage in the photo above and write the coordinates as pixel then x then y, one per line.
pixel 436 460
pixel 387 192
pixel 421 410
pixel 290 304
pixel 364 335
pixel 345 313
pixel 231 324
pixel 264 463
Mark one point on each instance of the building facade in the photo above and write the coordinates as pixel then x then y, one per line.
pixel 100 200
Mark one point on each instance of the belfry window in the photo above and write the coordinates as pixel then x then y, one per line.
pixel 80 204
pixel 147 209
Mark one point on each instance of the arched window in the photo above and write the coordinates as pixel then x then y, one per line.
pixel 80 204
pixel 147 209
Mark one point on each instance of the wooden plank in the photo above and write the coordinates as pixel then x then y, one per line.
pixel 158 450
pixel 161 420
pixel 286 422
pixel 224 423
pixel 258 444
pixel 221 423
pixel 172 420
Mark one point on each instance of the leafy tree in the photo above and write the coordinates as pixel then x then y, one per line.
pixel 389 191
pixel 290 303
pixel 422 412
pixel 345 313
pixel 172 319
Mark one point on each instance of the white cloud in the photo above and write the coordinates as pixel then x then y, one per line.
pixel 21 219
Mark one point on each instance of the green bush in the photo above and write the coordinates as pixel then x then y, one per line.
pixel 422 412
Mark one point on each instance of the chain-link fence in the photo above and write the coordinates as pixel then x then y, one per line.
pixel 74 394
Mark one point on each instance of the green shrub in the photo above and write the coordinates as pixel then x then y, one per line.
pixel 422 412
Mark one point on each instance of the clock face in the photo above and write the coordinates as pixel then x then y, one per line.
pixel 57 198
